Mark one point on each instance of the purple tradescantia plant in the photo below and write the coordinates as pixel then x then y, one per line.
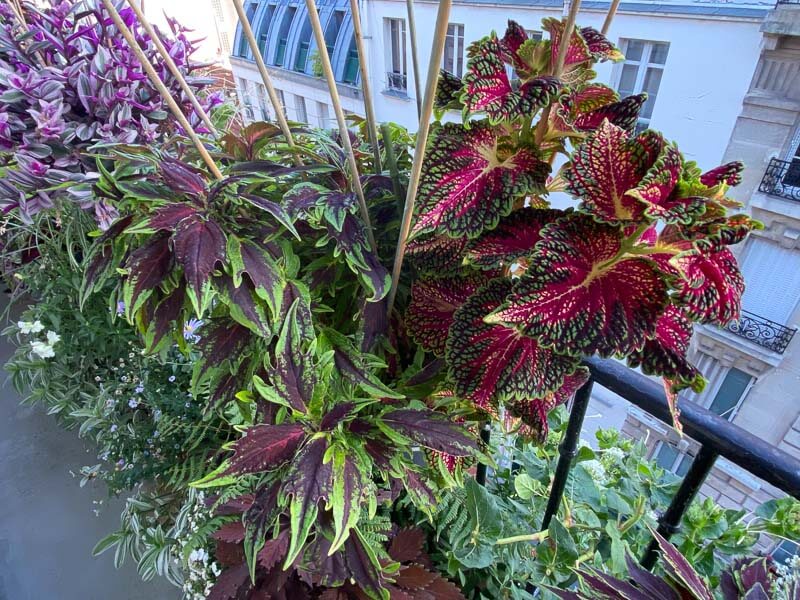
pixel 69 81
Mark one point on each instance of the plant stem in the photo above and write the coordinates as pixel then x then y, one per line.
pixel 437 50
pixel 391 160
pixel 528 537
pixel 612 10
pixel 412 32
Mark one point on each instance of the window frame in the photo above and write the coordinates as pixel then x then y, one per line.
pixel 642 66
pixel 396 81
pixel 680 457
pixel 455 41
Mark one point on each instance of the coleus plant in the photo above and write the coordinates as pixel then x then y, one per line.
pixel 514 294
pixel 69 81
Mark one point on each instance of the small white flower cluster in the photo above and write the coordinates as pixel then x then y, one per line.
pixel 41 348
pixel 202 571
pixel 596 470
pixel 614 455
pixel 788 578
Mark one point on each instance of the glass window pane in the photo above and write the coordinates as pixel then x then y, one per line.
pixel 683 466
pixel 658 54
pixel 627 80
pixel 652 79
pixel 730 392
pixel 634 50
pixel 666 456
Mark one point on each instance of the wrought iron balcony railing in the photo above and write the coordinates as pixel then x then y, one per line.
pixel 782 177
pixel 396 81
pixel 762 331
pixel 716 435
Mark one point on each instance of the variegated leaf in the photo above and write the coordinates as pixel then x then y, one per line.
pixel 711 286
pixel 199 245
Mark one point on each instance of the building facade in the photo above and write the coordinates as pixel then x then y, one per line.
pixel 723 80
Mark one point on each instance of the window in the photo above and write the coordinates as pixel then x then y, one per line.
pixel 224 41
pixel 243 45
pixel 785 551
pixel 670 458
pixel 332 31
pixel 300 107
pixel 247 100
pixel 771 293
pixel 322 114
pixel 641 72
pixel 351 65
pixel 730 393
pixel 263 28
pixel 303 46
pixel 282 101
pixel 283 35
pixel 262 102
pixel 396 72
pixel 453 59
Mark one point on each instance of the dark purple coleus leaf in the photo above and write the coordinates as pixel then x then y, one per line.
pixel 487 87
pixel 436 254
pixel 222 340
pixel 448 91
pixel 273 551
pixel 652 585
pixel 101 257
pixel 166 314
pixel 729 174
pixel 471 178
pixel 264 448
pixel 246 307
pixel 681 572
pixel 308 481
pixel 166 217
pixel 623 113
pixel 512 239
pixel 274 209
pixel 407 545
pixel 262 270
pixel 351 240
pixel 352 367
pixel 665 353
pixel 431 430
pixel 199 245
pixel 580 296
pixel 491 363
pixel 182 178
pixel 365 572
pixel 147 267
pixel 434 301
pixel 230 583
pixel 336 415
pixel 711 285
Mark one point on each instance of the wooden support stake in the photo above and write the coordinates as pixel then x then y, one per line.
pixel 612 11
pixel 344 133
pixel 437 50
pixel 262 69
pixel 162 89
pixel 412 32
pixel 173 68
pixel 369 107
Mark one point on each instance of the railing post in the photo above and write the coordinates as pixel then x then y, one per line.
pixel 567 450
pixel 670 521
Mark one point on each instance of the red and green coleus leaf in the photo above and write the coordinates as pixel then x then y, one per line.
pixel 429 429
pixel 264 448
pixel 600 47
pixel 578 52
pixel 583 294
pixel 433 304
pixel 348 486
pixel 492 363
pixel 261 269
pixel 98 263
pixel 512 239
pixel 166 318
pixel 621 179
pixel 623 113
pixel 711 286
pixel 164 218
pixel 730 174
pixel 351 241
pixel 222 339
pixel 245 307
pixel 576 102
pixel 309 480
pixel 199 245
pixel 472 177
pixel 533 412
pixel 292 375
pixel 182 178
pixel 665 353
pixel 436 254
pixel 487 88
pixel 147 266
pixel 448 92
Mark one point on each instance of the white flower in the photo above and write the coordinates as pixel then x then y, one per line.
pixel 615 453
pixel 43 349
pixel 53 338
pixel 596 470
pixel 28 327
pixel 36 326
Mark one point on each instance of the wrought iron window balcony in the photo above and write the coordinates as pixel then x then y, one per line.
pixel 762 331
pixel 396 81
pixel 782 177
pixel 717 436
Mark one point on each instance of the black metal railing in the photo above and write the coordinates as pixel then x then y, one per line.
pixel 762 331
pixel 717 437
pixel 397 82
pixel 782 177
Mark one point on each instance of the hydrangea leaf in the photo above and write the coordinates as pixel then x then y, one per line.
pixel 471 178
pixel 491 363
pixel 580 296
pixel 533 412
pixel 433 303
pixel 264 448
pixel 308 481
pixel 711 286
pixel 199 245
pixel 429 429
pixel 665 353
pixel 511 240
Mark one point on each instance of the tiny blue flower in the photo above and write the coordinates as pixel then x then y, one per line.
pixel 120 307
pixel 172 378
pixel 139 389
pixel 133 403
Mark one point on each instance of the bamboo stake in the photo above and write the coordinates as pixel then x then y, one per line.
pixel 173 68
pixel 344 133
pixel 566 36
pixel 369 108
pixel 262 69
pixel 412 32
pixel 162 89
pixel 437 50
pixel 612 10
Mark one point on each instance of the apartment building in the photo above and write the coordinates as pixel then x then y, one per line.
pixel 723 80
